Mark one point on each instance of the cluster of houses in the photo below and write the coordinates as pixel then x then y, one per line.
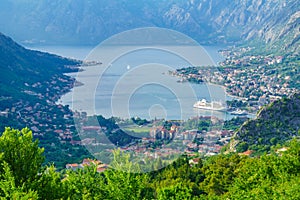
pixel 41 113
pixel 212 142
pixel 43 118
pixel 161 132
pixel 88 162
pixel 183 141
pixel 254 83
pixel 248 60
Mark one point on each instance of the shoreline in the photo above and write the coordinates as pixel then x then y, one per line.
pixel 60 101
pixel 226 92
pixel 65 99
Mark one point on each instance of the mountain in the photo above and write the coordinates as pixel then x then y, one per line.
pixel 21 69
pixel 275 124
pixel 31 82
pixel 207 21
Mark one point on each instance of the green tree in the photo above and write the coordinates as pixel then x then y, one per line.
pixel 220 172
pixel 178 191
pixel 84 183
pixel 241 147
pixel 269 176
pixel 125 180
pixel 9 189
pixel 22 155
pixel 49 184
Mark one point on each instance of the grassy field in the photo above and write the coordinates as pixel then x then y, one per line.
pixel 137 129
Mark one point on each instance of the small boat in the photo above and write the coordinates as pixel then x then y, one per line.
pixel 214 105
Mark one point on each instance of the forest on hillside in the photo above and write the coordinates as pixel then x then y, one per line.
pixel 231 176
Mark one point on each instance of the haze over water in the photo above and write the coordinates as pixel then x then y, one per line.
pixel 122 91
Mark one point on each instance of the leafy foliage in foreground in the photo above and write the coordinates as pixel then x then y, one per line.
pixel 275 176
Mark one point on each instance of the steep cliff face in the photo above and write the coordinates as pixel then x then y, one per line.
pixel 243 20
pixel 290 33
pixel 208 21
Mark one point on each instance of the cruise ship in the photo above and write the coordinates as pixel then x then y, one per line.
pixel 239 112
pixel 203 104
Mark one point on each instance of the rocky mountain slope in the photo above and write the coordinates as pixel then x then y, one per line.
pixel 275 124
pixel 207 21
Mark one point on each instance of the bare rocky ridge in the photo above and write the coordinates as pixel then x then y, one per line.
pixel 207 21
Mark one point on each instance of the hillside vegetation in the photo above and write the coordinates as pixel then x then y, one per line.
pixel 275 124
pixel 22 68
pixel 30 84
pixel 218 177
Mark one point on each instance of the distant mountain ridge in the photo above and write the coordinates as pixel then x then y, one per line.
pixel 207 21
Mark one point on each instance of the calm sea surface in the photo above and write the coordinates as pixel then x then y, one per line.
pixel 134 81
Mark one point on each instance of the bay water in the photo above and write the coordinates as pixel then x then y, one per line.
pixel 138 82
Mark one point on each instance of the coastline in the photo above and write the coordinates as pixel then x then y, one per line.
pixel 67 98
pixel 253 115
pixel 226 92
